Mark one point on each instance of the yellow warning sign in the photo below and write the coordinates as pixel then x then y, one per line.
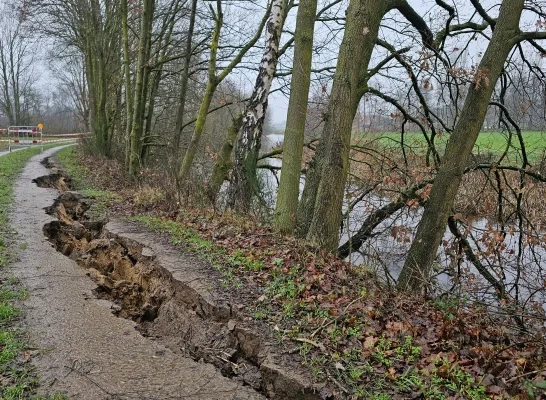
pixel 41 126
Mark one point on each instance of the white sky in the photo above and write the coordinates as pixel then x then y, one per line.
pixel 436 17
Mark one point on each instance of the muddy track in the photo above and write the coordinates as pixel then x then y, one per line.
pixel 169 310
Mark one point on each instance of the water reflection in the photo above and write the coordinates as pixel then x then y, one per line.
pixel 518 266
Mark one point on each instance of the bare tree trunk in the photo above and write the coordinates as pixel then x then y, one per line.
pixel 183 89
pixel 223 161
pixel 90 73
pixel 325 185
pixel 14 68
pixel 97 44
pixel 244 182
pixel 430 231
pixel 6 101
pixel 147 138
pixel 159 57
pixel 361 30
pixel 15 59
pixel 191 151
pixel 306 205
pixel 127 79
pixel 141 86
pixel 287 197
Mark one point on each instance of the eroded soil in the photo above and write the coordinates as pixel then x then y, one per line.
pixel 87 352
pixel 167 301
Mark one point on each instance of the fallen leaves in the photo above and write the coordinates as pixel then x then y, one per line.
pixel 360 335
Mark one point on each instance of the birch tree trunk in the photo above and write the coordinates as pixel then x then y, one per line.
pixel 287 197
pixel 244 182
pixel 431 228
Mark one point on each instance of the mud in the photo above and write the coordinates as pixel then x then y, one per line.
pixel 85 351
pixel 55 181
pixel 180 313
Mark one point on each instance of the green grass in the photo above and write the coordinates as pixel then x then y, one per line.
pixel 16 379
pixel 179 233
pixel 202 248
pixel 68 157
pixel 71 164
pixel 488 142
pixel 101 195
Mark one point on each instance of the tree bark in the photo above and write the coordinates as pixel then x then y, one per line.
pixel 244 182
pixel 96 75
pixel 191 151
pixel 223 161
pixel 159 57
pixel 127 80
pixel 361 30
pixel 183 89
pixel 306 205
pixel 289 186
pixel 141 86
pixel 431 229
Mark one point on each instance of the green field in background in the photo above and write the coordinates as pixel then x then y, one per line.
pixel 487 142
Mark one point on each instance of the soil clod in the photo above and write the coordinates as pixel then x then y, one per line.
pixel 54 181
pixel 129 275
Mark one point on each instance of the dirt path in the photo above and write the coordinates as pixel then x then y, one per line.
pixel 87 352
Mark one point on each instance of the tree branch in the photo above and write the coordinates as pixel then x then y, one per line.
pixel 416 21
pixel 247 47
pixel 483 13
pixel 531 36
pixel 374 219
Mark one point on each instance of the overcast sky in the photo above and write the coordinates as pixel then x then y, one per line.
pixel 278 102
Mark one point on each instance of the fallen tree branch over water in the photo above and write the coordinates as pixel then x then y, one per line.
pixel 378 216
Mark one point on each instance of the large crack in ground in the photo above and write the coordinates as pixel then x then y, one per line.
pixel 129 275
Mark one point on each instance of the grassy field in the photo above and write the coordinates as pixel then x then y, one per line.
pixel 16 380
pixel 488 142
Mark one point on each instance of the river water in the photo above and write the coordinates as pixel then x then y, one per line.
pixel 521 268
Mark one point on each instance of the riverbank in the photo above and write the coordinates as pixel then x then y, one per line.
pixel 348 329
